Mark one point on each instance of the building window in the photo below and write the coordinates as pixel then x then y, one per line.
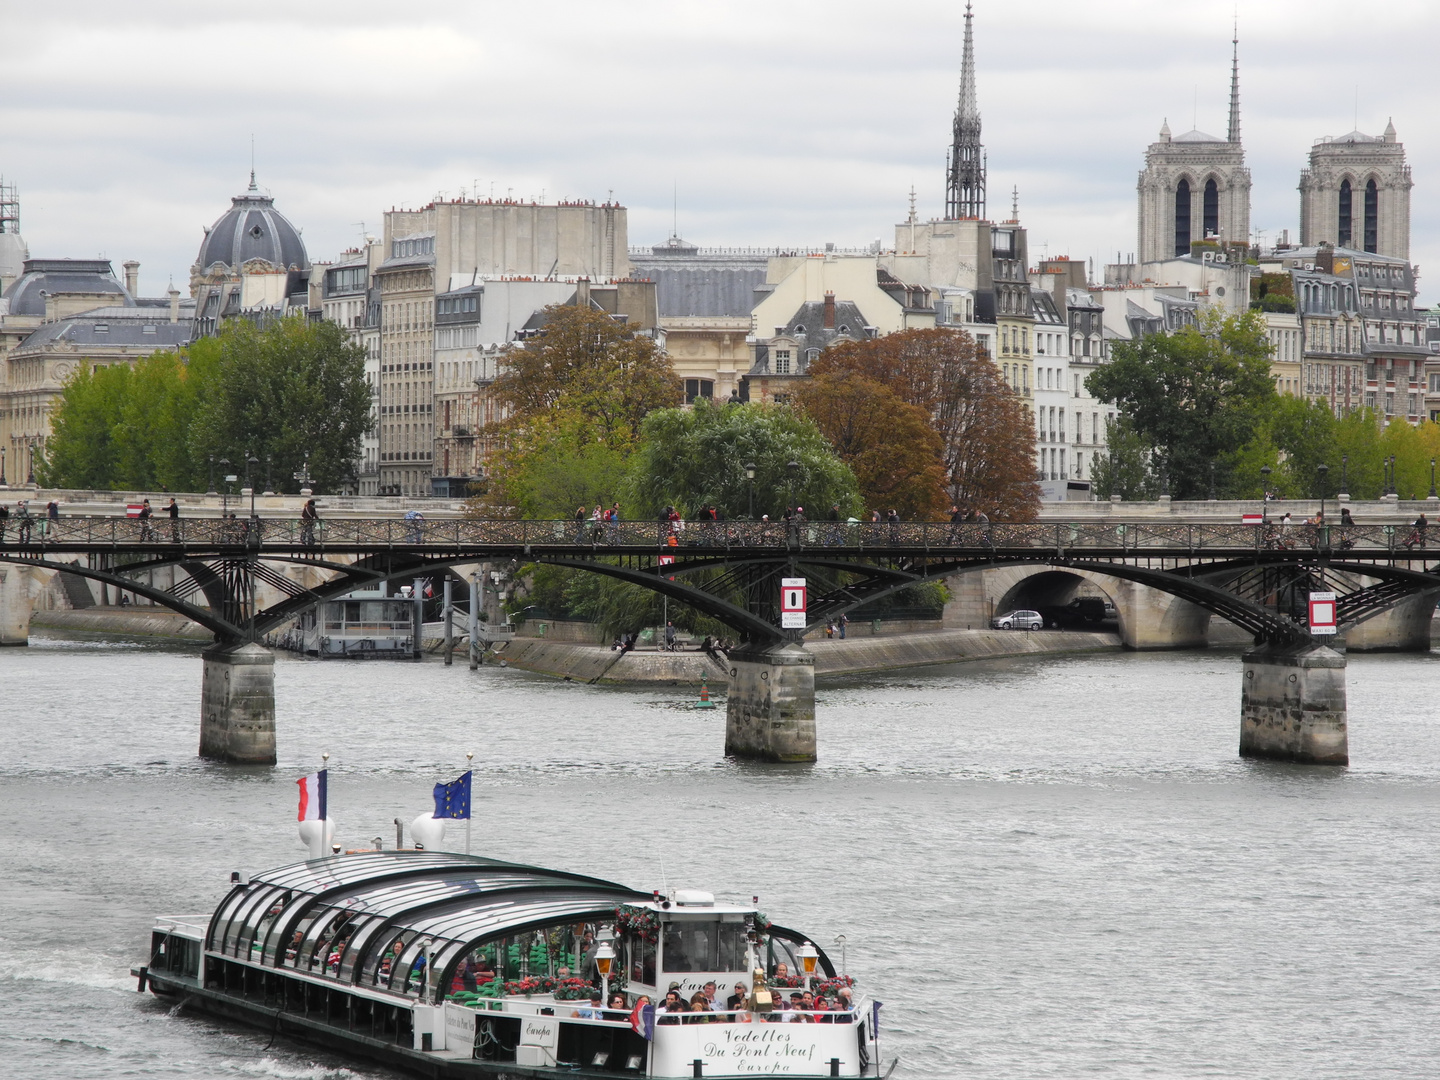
pixel 1372 217
pixel 698 388
pixel 782 361
pixel 1182 218
pixel 1212 209
pixel 1343 232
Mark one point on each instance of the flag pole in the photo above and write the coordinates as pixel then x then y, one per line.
pixel 469 810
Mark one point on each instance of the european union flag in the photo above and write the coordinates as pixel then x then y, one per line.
pixel 452 800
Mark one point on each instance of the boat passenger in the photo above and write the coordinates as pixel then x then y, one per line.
pixel 737 999
pixel 845 1002
pixel 799 1010
pixel 671 1005
pixel 699 1008
pixel 591 1011
pixel 782 970
pixel 293 949
pixel 711 1004
pixel 821 1012
pixel 618 1009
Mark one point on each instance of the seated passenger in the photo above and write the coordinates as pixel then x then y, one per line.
pixel 738 998
pixel 821 1012
pixel 591 1011
pixel 782 970
pixel 699 1007
pixel 671 1005
pixel 845 1001
pixel 800 1013
pixel 618 1010
pixel 293 949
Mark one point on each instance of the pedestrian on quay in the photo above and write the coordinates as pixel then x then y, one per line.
pixel 669 637
pixel 844 622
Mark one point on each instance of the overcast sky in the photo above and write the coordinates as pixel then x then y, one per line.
pixel 127 128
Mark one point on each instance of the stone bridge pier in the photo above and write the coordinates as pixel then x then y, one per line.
pixel 19 586
pixel 1292 705
pixel 237 705
pixel 770 709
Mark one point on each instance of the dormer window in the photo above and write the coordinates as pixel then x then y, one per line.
pixel 799 329
pixel 256 231
pixel 782 361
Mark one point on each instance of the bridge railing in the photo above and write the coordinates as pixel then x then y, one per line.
pixel 979 537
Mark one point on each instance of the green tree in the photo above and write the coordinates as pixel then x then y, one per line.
pixel 554 475
pixel 688 458
pixel 289 392
pixel 1126 470
pixel 82 450
pixel 1193 396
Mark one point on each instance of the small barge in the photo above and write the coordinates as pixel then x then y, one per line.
pixel 453 965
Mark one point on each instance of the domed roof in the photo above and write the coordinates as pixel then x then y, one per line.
pixel 253 229
pixel 13 254
pixel 44 277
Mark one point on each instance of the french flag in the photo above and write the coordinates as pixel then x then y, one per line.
pixel 312 796
pixel 642 1019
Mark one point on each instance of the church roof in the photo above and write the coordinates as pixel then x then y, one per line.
pixel 252 229
pixel 1196 135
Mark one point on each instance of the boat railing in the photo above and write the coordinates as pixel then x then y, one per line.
pixel 565 1010
pixel 191 926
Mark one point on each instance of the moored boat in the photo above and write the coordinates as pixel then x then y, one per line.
pixel 456 965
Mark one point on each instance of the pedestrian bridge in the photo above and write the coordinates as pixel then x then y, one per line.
pixel 242 578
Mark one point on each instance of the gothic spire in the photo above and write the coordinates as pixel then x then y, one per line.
pixel 965 172
pixel 1234 133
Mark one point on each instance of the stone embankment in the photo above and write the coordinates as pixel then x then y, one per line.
pixel 593 663
pixel 121 622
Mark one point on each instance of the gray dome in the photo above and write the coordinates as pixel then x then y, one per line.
pixel 44 277
pixel 253 229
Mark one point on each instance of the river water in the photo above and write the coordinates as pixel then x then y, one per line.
pixel 1049 867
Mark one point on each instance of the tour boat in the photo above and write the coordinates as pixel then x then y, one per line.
pixel 461 966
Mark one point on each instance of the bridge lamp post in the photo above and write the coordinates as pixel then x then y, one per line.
pixel 1344 478
pixel 3 482
pixel 1390 477
pixel 1265 483
pixel 1322 471
pixel 749 477
pixel 229 479
pixel 250 462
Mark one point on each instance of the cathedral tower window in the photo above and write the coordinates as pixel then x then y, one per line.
pixel 1343 233
pixel 1372 217
pixel 1212 209
pixel 1182 218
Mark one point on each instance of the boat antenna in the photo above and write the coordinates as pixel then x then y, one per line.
pixel 664 881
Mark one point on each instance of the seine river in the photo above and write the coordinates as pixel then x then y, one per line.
pixel 1044 868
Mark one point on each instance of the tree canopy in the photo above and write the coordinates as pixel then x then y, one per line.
pixel 986 435
pixel 1190 398
pixel 284 393
pixel 688 458
pixel 889 444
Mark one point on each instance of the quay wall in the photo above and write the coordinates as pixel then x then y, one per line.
pixel 135 621
pixel 589 663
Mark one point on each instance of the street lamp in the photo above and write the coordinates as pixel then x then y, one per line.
pixel 250 462
pixel 1265 485
pixel 750 477
pixel 302 474
pixel 808 955
pixel 604 957
pixel 229 479
pixel 1432 479
pixel 1344 478
pixel 1322 471
pixel 3 482
pixel 1390 480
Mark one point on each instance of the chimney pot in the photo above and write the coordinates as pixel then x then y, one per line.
pixel 829 311
pixel 174 295
pixel 132 278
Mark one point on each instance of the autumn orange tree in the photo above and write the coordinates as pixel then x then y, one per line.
pixel 896 455
pixel 986 435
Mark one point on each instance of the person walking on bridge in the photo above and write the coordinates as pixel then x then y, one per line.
pixel 174 511
pixel 23 522
pixel 309 516
pixel 1417 536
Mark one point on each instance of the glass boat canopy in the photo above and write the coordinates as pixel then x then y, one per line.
pixel 395 921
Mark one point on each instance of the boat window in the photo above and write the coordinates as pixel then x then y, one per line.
pixel 391 963
pixel 234 913
pixel 781 951
pixel 704 946
pixel 642 961
pixel 258 920
pixel 324 953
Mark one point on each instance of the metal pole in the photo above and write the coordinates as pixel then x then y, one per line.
pixel 474 627
pixel 469 758
pixel 449 627
pixel 419 590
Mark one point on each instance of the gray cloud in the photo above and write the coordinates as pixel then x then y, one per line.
pixel 779 123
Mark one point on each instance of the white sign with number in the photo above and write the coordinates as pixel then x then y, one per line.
pixel 792 603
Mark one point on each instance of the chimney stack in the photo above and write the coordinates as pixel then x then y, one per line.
pixel 829 311
pixel 132 277
pixel 582 293
pixel 174 295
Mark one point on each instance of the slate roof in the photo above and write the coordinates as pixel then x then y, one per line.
pixel 47 276
pixel 253 229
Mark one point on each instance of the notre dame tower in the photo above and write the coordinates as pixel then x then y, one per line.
pixel 1195 186
pixel 1356 194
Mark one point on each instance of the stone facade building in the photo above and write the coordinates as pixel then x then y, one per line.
pixel 1356 194
pixel 1195 187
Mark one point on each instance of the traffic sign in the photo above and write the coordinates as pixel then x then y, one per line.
pixel 1322 613
pixel 792 603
